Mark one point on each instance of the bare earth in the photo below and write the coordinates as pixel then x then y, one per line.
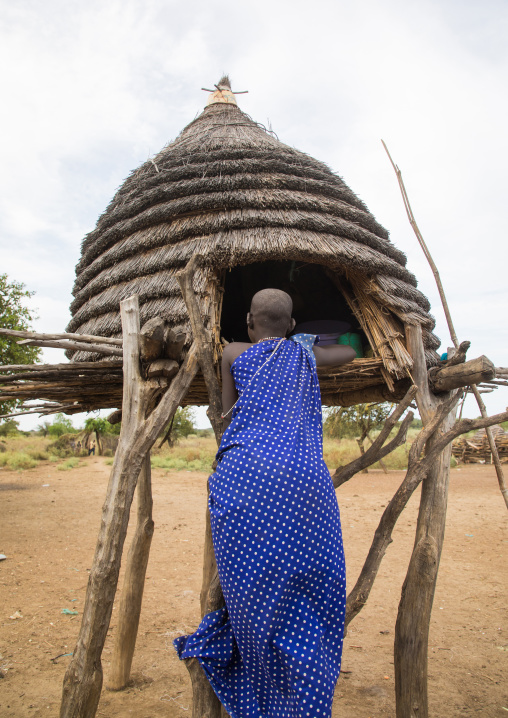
pixel 48 534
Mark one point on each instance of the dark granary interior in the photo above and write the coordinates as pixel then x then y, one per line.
pixel 313 293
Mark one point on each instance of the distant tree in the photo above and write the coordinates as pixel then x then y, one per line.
pixel 355 421
pixel 61 425
pixel 97 425
pixel 43 428
pixel 100 427
pixel 14 314
pixel 180 426
pixel 9 426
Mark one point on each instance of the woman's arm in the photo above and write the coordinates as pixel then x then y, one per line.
pixel 334 355
pixel 229 393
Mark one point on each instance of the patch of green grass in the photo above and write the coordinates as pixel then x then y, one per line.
pixel 180 464
pixel 69 464
pixel 192 453
pixel 17 460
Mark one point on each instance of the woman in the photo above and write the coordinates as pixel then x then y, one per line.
pixel 274 650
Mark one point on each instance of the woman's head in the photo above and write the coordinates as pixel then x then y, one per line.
pixel 270 314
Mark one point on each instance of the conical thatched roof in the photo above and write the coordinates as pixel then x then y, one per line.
pixel 231 192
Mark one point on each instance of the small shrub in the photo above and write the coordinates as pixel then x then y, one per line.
pixel 69 464
pixel 38 455
pixel 19 461
pixel 8 427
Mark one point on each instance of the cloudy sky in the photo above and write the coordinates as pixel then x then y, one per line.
pixel 91 90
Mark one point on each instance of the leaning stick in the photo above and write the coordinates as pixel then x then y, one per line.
pixel 416 472
pixel 202 342
pixel 68 366
pixel 453 335
pixel 377 451
pixel 73 346
pixel 78 337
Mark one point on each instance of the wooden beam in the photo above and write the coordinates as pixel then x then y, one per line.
pixel 456 376
pixel 84 366
pixel 74 346
pixel 162 367
pixel 95 339
pixel 174 343
pixel 132 591
pixel 370 394
pixel 152 339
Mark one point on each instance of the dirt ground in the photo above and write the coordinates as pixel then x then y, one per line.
pixel 49 524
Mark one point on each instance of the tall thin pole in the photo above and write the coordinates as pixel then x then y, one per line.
pixel 451 328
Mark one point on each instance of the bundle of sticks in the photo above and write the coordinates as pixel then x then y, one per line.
pixel 476 449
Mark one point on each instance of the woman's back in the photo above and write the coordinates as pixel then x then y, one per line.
pixel 279 405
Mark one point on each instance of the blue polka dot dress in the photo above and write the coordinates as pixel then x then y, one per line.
pixel 274 650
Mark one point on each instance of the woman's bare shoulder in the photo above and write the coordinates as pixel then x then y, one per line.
pixel 233 350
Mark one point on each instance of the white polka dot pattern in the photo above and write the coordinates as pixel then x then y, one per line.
pixel 274 651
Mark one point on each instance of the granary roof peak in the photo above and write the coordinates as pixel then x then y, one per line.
pixel 223 93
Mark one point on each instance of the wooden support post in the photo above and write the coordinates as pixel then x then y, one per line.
pixel 83 678
pixel 134 582
pixel 205 703
pixel 412 627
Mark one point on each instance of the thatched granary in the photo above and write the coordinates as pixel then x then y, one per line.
pixel 258 213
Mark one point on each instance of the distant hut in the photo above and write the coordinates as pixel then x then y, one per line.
pixel 259 214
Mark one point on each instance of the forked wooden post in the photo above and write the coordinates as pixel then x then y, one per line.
pixel 83 678
pixel 205 703
pixel 413 620
pixel 134 581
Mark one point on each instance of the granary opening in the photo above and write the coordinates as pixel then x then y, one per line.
pixel 314 295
